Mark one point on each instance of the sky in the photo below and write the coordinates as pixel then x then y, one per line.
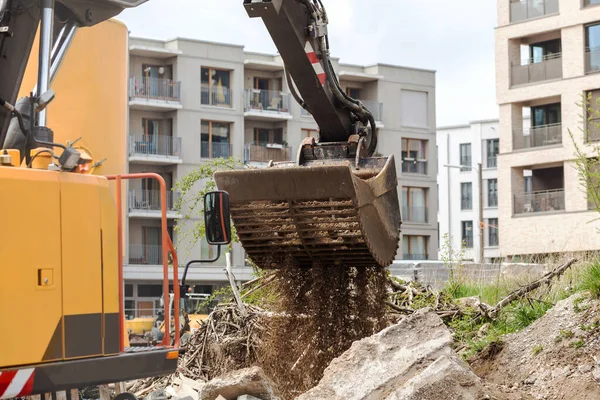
pixel 456 39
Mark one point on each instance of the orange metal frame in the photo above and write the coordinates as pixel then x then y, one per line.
pixel 166 249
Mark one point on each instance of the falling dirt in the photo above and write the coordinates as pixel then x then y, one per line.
pixel 328 308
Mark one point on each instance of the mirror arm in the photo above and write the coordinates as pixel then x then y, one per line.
pixel 187 266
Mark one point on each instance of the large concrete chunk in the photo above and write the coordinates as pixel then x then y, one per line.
pixel 251 381
pixel 388 364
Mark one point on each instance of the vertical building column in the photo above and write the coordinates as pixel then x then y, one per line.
pixel 573 51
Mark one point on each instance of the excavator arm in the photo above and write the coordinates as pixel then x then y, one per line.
pixel 335 205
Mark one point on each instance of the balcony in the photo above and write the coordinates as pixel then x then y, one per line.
pixel 529 9
pixel 218 96
pixel 266 105
pixel 539 202
pixel 216 149
pixel 530 71
pixel 263 153
pixel 376 109
pixel 154 93
pixel 146 203
pixel 156 149
pixel 412 166
pixel 539 136
pixel 414 256
pixel 592 59
pixel 145 254
pixel 414 214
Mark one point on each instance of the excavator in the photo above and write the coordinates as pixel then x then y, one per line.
pixel 61 241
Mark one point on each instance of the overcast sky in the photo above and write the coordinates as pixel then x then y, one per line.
pixel 456 39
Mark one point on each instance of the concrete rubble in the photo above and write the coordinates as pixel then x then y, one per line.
pixel 411 360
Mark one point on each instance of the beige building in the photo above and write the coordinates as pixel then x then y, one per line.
pixel 547 57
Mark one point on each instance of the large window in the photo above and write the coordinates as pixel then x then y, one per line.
pixel 414 204
pixel 539 52
pixel 493 239
pixel 547 114
pixel 467 233
pixel 593 115
pixel 413 108
pixel 216 87
pixel 215 139
pixel 265 136
pixel 466 196
pixel 414 159
pixel 492 148
pixel 592 47
pixel 465 156
pixel 415 247
pixel 492 185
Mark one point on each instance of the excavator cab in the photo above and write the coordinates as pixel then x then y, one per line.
pixel 335 204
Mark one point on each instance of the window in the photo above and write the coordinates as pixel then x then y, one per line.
pixel 592 47
pixel 547 114
pixel 310 133
pixel 415 247
pixel 353 92
pixel 593 166
pixel 467 233
pixel 493 232
pixel 215 87
pixel 414 159
pixel 150 290
pixel 492 185
pixel 539 52
pixel 466 196
pixel 493 148
pixel 593 115
pixel 215 139
pixel 128 290
pixel 414 204
pixel 527 184
pixel 465 156
pixel 414 110
pixel 264 136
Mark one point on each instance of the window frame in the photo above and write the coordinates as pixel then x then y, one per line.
pixel 210 136
pixel 407 238
pixel 494 146
pixel 467 167
pixel 406 160
pixel 210 87
pixel 463 237
pixel 489 193
pixel 408 203
pixel 491 230
pixel 470 196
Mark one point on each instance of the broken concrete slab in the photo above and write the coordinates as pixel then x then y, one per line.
pixel 250 381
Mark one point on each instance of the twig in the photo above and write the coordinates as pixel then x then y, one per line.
pixel 399 309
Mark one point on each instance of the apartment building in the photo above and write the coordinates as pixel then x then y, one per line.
pixel 462 150
pixel 547 58
pixel 191 101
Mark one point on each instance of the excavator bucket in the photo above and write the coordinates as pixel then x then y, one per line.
pixel 329 213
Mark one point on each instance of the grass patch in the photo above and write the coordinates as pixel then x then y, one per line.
pixel 537 349
pixel 563 334
pixel 577 344
pixel 590 279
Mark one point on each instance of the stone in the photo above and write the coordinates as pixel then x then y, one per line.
pixel 157 395
pixel 585 368
pixel 249 381
pixel 596 374
pixel 412 359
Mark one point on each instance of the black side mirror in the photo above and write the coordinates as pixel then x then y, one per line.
pixel 216 217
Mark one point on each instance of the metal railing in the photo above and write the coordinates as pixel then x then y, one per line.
pixel 528 9
pixel 492 200
pixel 530 71
pixel 412 166
pixel 414 256
pixel 375 108
pixel 149 200
pixel 466 203
pixel 414 213
pixel 258 152
pixel 215 149
pixel 154 88
pixel 467 241
pixel 145 254
pixel 492 162
pixel 493 239
pixel 215 95
pixel 466 161
pixel 592 59
pixel 538 136
pixel 266 100
pixel 155 145
pixel 541 201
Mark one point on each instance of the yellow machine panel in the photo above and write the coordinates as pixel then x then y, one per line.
pixel 30 277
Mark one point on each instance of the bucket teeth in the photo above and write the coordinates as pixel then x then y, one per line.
pixel 307 215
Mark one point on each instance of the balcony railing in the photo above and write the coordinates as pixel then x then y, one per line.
pixel 415 256
pixel 542 201
pixel 257 152
pixel 412 166
pixel 154 88
pixel 155 145
pixel 149 200
pixel 592 59
pixel 538 136
pixel 215 149
pixel 467 241
pixel 375 108
pixel 215 96
pixel 530 71
pixel 266 100
pixel 414 213
pixel 144 254
pixel 528 9
pixel 492 162
pixel 466 203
